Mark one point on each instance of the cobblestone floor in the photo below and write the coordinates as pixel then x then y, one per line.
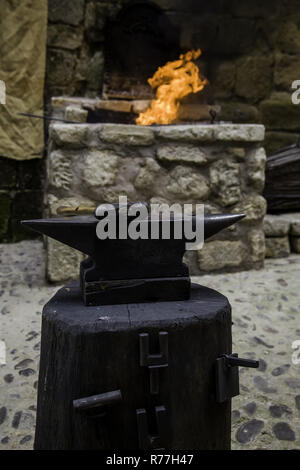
pixel 266 316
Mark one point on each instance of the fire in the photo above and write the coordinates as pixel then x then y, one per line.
pixel 172 82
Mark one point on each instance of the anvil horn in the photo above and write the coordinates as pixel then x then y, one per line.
pixel 214 223
pixel 79 232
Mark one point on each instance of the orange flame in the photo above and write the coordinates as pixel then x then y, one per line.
pixel 173 81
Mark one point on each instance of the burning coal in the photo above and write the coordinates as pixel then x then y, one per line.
pixel 172 82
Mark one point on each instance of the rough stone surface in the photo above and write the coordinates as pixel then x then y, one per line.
pixel 277 247
pixel 258 309
pixel 283 432
pixel 238 112
pixel 225 182
pixel 142 163
pixel 254 77
pixel 100 168
pixel 127 135
pixel 147 174
pixel 60 170
pixel 186 184
pixel 73 113
pixel 257 245
pixel 295 244
pixel 287 69
pixel 240 133
pixel 254 207
pixel 256 168
pixel 95 71
pixel 294 221
pixel 71 136
pixel 218 255
pixel 182 153
pixel 62 261
pixel 63 11
pixel 280 114
pixel 275 226
pixel 278 140
pixel 69 36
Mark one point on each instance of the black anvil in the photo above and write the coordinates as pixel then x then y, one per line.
pixel 130 270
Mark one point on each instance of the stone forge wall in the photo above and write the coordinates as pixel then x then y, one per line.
pixel 221 166
pixel 250 54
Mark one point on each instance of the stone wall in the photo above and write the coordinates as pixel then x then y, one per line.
pixel 250 54
pixel 221 166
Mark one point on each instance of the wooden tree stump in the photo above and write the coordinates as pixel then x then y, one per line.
pixel 87 351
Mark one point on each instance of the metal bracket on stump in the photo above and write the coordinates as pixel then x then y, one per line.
pixel 154 362
pixel 96 405
pixel 146 441
pixel 227 375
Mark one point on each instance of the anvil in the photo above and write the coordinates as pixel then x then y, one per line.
pixel 126 270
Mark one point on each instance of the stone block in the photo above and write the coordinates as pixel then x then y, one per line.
pixel 5 210
pixel 277 247
pixel 280 115
pixel 278 140
pixel 72 136
pixel 276 226
pixel 217 255
pixel 237 152
pixel 181 153
pixel 254 77
pixel 63 36
pixel 225 182
pixel 147 175
pixel 239 112
pixel 256 169
pixel 100 168
pixel 287 69
pixel 182 133
pixel 127 135
pixel 60 174
pixel 66 11
pixel 295 244
pixel 287 36
pixel 294 221
pixel 62 262
pixel 254 206
pixel 257 245
pixel 95 70
pixel 222 79
pixel 185 182
pixel 75 113
pixel 239 132
pixel 60 67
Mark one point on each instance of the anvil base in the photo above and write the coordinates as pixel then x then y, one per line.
pixel 135 290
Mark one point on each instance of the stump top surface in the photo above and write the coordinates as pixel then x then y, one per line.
pixel 67 308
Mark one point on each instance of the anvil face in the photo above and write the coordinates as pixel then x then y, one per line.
pixel 125 270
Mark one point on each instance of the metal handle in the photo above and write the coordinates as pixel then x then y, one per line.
pixel 98 401
pixel 233 360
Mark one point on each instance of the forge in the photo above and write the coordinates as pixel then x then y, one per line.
pixel 190 152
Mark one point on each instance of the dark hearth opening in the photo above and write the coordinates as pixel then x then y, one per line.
pixel 139 40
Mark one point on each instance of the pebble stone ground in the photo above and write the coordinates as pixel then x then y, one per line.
pixel 266 321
